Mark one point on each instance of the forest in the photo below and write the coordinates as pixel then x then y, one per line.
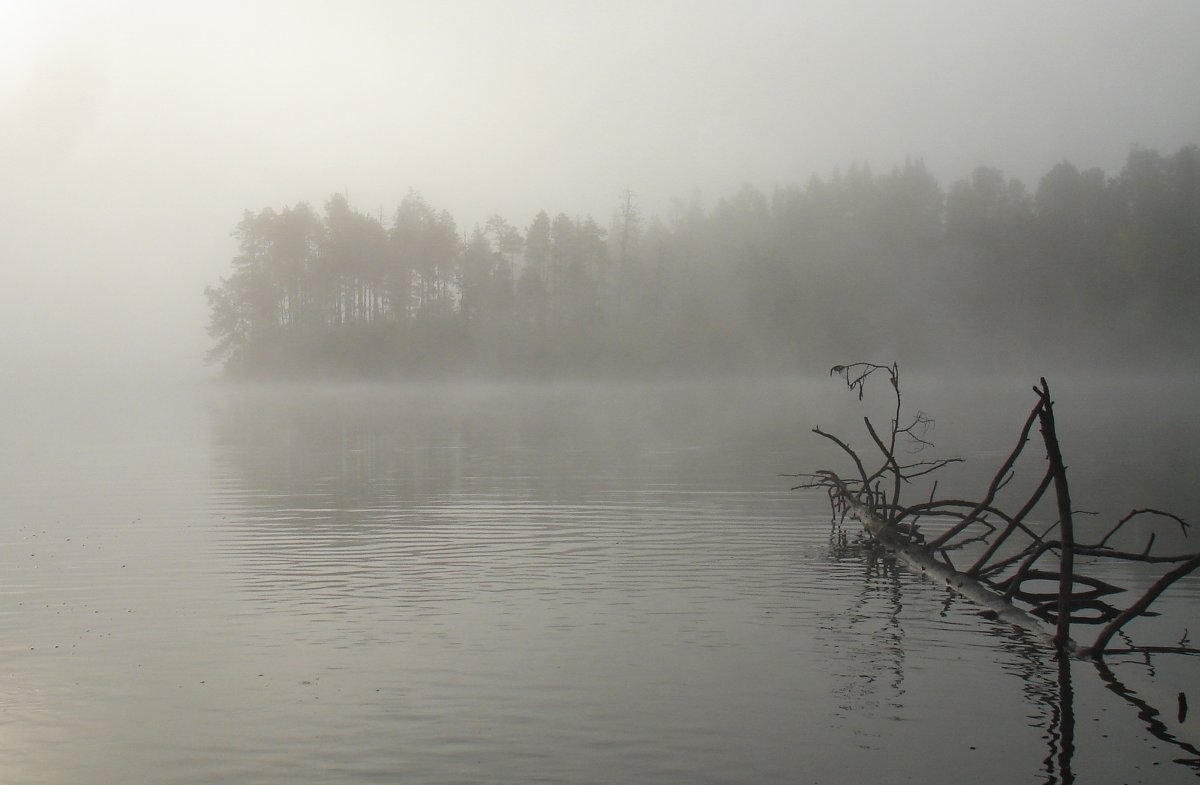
pixel 1087 270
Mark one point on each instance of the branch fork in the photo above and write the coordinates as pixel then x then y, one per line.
pixel 993 581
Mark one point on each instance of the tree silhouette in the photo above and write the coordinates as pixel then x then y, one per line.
pixel 1088 269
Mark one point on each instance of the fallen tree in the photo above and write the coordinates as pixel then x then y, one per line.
pixel 1014 555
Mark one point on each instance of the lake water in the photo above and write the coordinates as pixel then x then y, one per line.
pixel 558 583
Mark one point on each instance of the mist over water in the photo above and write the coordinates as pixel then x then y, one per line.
pixel 510 581
pixel 516 316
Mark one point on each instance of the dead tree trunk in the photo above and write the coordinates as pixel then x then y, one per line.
pixel 994 581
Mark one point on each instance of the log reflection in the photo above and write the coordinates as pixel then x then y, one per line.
pixel 1048 684
pixel 1062 726
pixel 1150 716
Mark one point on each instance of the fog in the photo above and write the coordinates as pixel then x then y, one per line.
pixel 133 135
pixel 530 307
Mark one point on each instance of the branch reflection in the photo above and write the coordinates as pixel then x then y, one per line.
pixel 1048 683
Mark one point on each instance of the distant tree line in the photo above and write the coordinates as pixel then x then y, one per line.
pixel 1085 269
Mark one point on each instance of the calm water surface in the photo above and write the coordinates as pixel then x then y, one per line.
pixel 541 583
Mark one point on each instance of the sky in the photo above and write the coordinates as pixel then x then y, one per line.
pixel 133 134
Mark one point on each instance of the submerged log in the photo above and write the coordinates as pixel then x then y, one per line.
pixel 993 581
pixel 923 562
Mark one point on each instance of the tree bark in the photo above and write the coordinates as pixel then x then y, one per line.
pixel 923 562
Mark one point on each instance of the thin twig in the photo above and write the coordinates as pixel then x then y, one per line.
pixel 1183 525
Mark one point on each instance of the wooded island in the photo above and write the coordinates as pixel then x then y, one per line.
pixel 1086 268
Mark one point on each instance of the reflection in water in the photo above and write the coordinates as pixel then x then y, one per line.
pixel 1062 725
pixel 884 653
pixel 608 580
pixel 1045 680
pixel 507 584
pixel 1046 685
pixel 1152 717
pixel 557 589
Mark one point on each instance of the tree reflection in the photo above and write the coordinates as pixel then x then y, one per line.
pixel 1048 685
pixel 1150 715
pixel 875 656
pixel 1047 682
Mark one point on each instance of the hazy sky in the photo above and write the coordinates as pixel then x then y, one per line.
pixel 133 134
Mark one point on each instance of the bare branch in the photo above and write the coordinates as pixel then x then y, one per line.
pixel 889 461
pixel 997 481
pixel 1014 523
pixel 893 525
pixel 846 448
pixel 1183 525
pixel 1161 585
